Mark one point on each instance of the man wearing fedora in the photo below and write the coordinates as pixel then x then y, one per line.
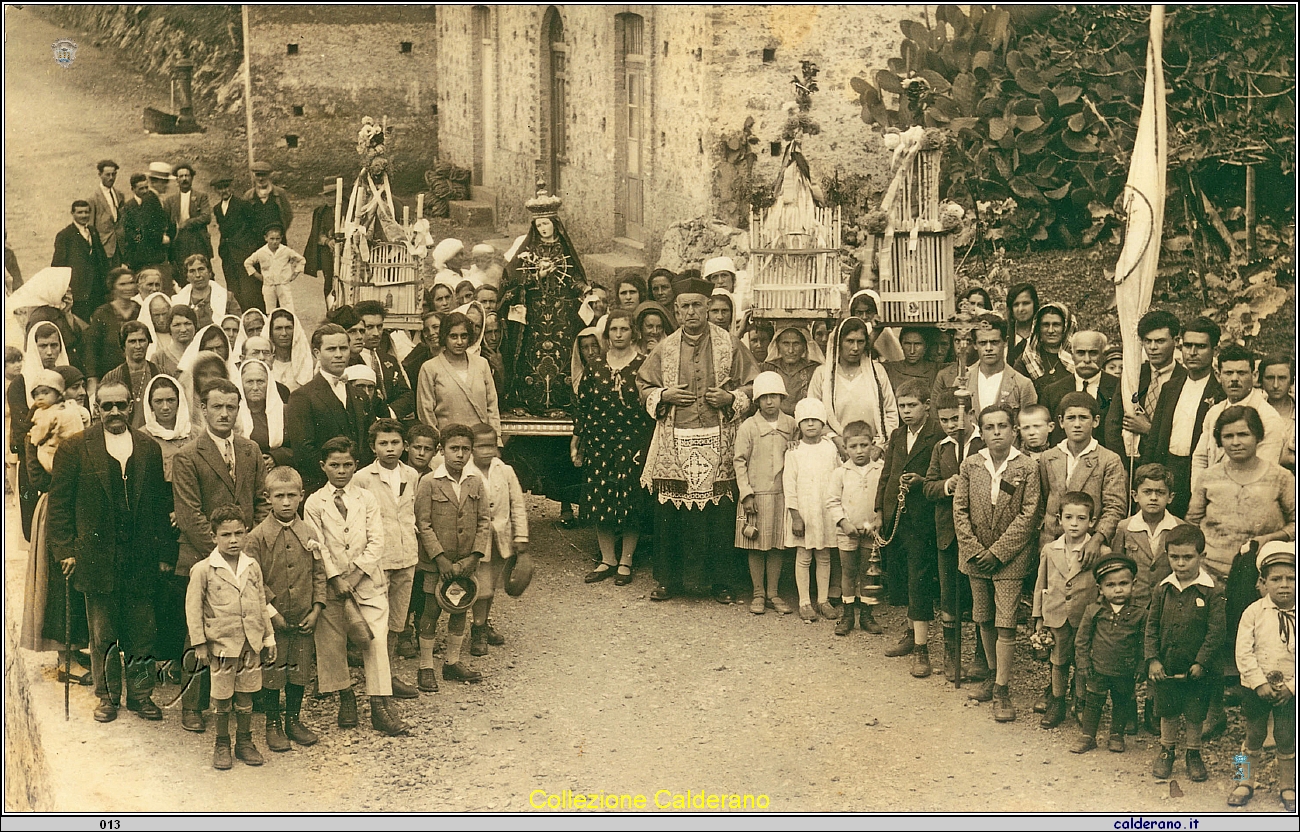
pixel 239 238
pixel 146 230
pixel 189 211
pixel 269 201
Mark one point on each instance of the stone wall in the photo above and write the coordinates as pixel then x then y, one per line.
pixel 843 41
pixel 349 62
pixel 705 74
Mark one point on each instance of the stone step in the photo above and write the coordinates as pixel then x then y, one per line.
pixel 471 213
pixel 607 267
pixel 633 249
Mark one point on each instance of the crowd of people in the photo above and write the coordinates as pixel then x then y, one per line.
pixel 212 488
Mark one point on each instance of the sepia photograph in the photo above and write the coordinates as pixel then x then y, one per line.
pixel 548 413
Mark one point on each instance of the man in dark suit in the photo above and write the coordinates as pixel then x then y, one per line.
pixel 146 230
pixel 216 469
pixel 108 522
pixel 325 407
pixel 189 212
pixel 1159 330
pixel 911 565
pixel 106 211
pixel 391 384
pixel 958 443
pixel 78 247
pixel 424 350
pixel 270 203
pixel 1180 412
pixel 239 238
pixel 1087 349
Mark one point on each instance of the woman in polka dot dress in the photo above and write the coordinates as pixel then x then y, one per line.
pixel 610 434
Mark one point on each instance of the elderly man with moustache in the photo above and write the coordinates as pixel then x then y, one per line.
pixel 695 386
pixel 108 520
pixel 1087 348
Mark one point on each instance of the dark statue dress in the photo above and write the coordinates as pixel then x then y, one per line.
pixel 614 432
pixel 546 279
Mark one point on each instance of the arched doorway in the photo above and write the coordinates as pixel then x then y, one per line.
pixel 554 88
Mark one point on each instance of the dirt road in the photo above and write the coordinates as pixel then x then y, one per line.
pixel 598 689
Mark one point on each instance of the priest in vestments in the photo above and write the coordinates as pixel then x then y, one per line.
pixel 696 385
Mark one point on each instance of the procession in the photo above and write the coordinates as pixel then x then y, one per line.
pixel 247 480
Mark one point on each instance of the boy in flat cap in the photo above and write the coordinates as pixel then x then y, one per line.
pixel 1266 658
pixel 1108 650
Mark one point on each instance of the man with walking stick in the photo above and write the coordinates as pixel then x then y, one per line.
pixel 109 507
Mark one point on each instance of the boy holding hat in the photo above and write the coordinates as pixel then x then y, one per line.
pixel 454 526
pixel 1265 647
pixel 1108 650
pixel 346 519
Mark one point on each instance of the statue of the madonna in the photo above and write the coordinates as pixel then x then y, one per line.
pixel 543 287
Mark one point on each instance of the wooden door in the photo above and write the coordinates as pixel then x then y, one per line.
pixel 633 100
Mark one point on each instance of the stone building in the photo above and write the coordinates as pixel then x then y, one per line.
pixel 622 108
pixel 315 71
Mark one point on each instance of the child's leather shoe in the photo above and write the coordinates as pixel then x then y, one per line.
pixel 905 645
pixel 221 759
pixel 1196 766
pixel 1164 763
pixel 1084 745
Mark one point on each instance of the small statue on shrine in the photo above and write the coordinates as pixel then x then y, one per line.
pixel 543 287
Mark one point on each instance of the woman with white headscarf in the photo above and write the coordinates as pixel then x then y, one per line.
pixel 794 356
pixel 232 325
pixel 1047 355
pixel 252 323
pixel 44 352
pixel 207 367
pixel 292 364
pixel 261 411
pixel 167 418
pixel 866 304
pixel 46 288
pixel 156 313
pixel 45 594
pixel 37 301
pixel 211 338
pixel 853 385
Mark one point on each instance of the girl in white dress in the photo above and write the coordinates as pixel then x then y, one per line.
pixel 810 526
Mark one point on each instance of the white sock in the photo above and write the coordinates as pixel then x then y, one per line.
pixel 426 652
pixel 454 641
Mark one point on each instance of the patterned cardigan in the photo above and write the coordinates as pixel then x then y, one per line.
pixel 1008 529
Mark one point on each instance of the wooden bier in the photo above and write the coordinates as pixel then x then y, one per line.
pixel 796 274
pixel 917 276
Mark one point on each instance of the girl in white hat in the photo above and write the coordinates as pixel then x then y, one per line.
pixel 809 526
pixel 760 448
